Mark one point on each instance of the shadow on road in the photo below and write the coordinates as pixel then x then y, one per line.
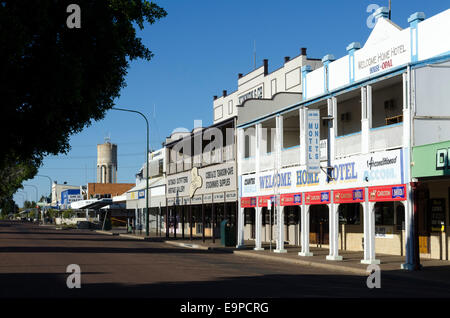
pixel 111 250
pixel 53 285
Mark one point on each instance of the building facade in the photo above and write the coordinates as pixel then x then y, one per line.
pixel 373 112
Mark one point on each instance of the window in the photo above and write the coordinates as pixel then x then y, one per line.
pixel 384 213
pixel 230 107
pixel 218 112
pixel 350 213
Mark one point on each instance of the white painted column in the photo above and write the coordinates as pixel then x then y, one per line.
pixel 333 129
pixel 305 231
pixel 408 106
pixel 240 157
pixel 369 226
pixel 280 224
pixel 258 221
pixel 365 126
pixel 366 225
pixel 334 232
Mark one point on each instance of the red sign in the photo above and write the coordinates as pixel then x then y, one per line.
pixel 262 201
pixel 318 197
pixel 249 202
pixel 291 199
pixel 387 193
pixel 348 195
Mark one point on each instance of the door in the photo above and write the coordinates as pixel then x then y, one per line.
pixel 319 227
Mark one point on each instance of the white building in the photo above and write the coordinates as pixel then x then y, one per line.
pixel 376 104
pixel 136 197
pixel 201 165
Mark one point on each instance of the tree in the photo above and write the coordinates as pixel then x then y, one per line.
pixel 29 204
pixel 55 80
pixel 8 206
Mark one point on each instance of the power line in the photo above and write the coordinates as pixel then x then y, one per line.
pixel 92 157
pixel 135 167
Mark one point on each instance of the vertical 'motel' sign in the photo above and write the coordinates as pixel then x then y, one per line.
pixel 313 141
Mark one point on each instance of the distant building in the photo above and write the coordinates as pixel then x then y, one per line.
pixel 57 189
pixel 107 190
pixel 70 195
pixel 107 163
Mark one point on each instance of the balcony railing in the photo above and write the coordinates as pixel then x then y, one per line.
pixel 216 155
pixel 348 145
pixel 228 153
pixel 290 156
pixel 267 161
pixel 248 165
pixel 386 137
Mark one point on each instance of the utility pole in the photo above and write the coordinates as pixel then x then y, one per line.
pixel 147 176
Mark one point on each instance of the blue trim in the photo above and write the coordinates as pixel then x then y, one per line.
pixel 356 133
pixel 298 146
pixel 432 60
pixel 386 126
pixel 346 88
pixel 413 31
pixel 324 97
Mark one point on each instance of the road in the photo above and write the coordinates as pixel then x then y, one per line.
pixel 33 262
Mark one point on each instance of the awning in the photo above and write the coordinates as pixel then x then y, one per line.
pixel 94 204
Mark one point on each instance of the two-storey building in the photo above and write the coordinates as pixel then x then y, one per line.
pixel 202 176
pixel 376 105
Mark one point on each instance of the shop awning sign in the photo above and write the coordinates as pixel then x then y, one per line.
pixel 387 193
pixel 348 195
pixel 319 197
pixel 290 199
pixel 262 201
pixel 249 202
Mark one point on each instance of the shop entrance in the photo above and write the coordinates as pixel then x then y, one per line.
pixel 318 224
pixel 249 220
pixel 422 202
pixel 292 222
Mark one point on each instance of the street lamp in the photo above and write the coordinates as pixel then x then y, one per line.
pixel 30 185
pixel 147 230
pixel 51 183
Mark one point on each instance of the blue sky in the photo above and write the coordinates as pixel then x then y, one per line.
pixel 199 48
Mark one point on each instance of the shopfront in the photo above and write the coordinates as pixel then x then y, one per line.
pixel 431 198
pixel 365 192
pixel 198 200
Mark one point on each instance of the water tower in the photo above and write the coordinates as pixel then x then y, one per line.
pixel 107 162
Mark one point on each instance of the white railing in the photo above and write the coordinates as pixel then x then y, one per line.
pixel 206 158
pixel 267 161
pixel 172 168
pixel 248 165
pixel 290 156
pixel 228 153
pixel 216 155
pixel 386 137
pixel 348 145
pixel 188 163
pixel 197 160
pixel 180 166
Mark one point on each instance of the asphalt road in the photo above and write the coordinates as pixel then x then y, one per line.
pixel 33 262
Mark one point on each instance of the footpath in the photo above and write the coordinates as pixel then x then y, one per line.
pixel 432 270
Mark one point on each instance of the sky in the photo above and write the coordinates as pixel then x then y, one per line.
pixel 199 49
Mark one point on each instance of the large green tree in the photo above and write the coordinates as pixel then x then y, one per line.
pixel 55 80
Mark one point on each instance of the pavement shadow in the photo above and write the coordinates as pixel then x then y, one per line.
pixel 103 250
pixel 264 286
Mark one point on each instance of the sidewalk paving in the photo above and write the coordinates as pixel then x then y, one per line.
pixel 433 270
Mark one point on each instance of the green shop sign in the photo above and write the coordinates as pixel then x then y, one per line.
pixel 431 160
